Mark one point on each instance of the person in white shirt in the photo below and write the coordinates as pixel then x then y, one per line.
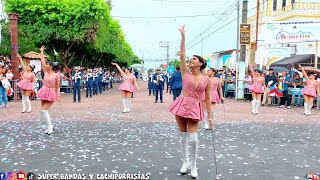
pixel 246 83
pixel 9 75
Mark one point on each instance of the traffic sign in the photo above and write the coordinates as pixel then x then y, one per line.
pixel 244 34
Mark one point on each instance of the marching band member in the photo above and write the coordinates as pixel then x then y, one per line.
pixel 26 85
pixel 76 79
pixel 158 79
pixel 150 84
pixel 100 74
pixel 50 91
pixel 187 107
pixel 89 83
pixel 127 87
pixel 104 81
pixel 95 82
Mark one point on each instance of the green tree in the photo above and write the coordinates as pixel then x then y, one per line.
pixel 174 63
pixel 81 31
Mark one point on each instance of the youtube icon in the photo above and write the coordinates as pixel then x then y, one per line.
pixel 21 176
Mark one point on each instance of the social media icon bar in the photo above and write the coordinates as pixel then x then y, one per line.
pixel 3 176
pixel 21 175
pixel 11 176
pixel 31 176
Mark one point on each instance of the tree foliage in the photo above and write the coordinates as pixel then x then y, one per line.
pixel 174 63
pixel 82 32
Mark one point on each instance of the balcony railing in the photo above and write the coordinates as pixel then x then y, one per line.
pixel 304 9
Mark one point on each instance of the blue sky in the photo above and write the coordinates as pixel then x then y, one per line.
pixel 144 34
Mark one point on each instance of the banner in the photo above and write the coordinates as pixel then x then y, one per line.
pixel 291 32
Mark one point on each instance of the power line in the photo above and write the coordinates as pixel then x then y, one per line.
pixel 222 27
pixel 166 17
pixel 218 19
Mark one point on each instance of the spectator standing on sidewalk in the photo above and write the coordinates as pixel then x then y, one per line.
pixel 297 82
pixel 270 81
pixel 3 91
pixel 247 82
pixel 285 81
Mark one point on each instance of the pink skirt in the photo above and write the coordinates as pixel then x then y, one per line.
pixel 187 107
pixel 215 98
pixel 47 94
pixel 256 88
pixel 126 87
pixel 309 92
pixel 25 85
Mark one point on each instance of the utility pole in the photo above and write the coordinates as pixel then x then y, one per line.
pixel 316 56
pixel 237 51
pixel 166 45
pixel 242 61
pixel 257 24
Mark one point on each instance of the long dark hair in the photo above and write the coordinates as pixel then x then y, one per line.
pixel 204 63
pixel 54 65
pixel 214 71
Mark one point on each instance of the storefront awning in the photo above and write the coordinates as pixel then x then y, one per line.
pixel 304 60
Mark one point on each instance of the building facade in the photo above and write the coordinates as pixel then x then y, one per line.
pixel 285 28
pixel 224 58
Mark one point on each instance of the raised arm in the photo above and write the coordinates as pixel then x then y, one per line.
pixel 21 62
pixel 119 69
pixel 304 72
pixel 43 60
pixel 251 70
pixel 183 64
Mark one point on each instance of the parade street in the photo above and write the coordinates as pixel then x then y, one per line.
pixel 94 136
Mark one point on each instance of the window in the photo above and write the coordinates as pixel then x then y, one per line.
pixel 284 3
pixel 275 2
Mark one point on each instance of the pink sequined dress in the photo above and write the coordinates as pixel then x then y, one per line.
pixel 257 86
pixel 48 92
pixel 189 106
pixel 311 89
pixel 215 98
pixel 127 84
pixel 26 83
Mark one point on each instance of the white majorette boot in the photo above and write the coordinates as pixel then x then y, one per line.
pixel 124 102
pixel 46 117
pixel 213 117
pixel 29 109
pixel 206 121
pixel 185 152
pixel 193 139
pixel 309 108
pixel 306 108
pixel 23 104
pixel 257 106
pixel 253 102
pixel 128 105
